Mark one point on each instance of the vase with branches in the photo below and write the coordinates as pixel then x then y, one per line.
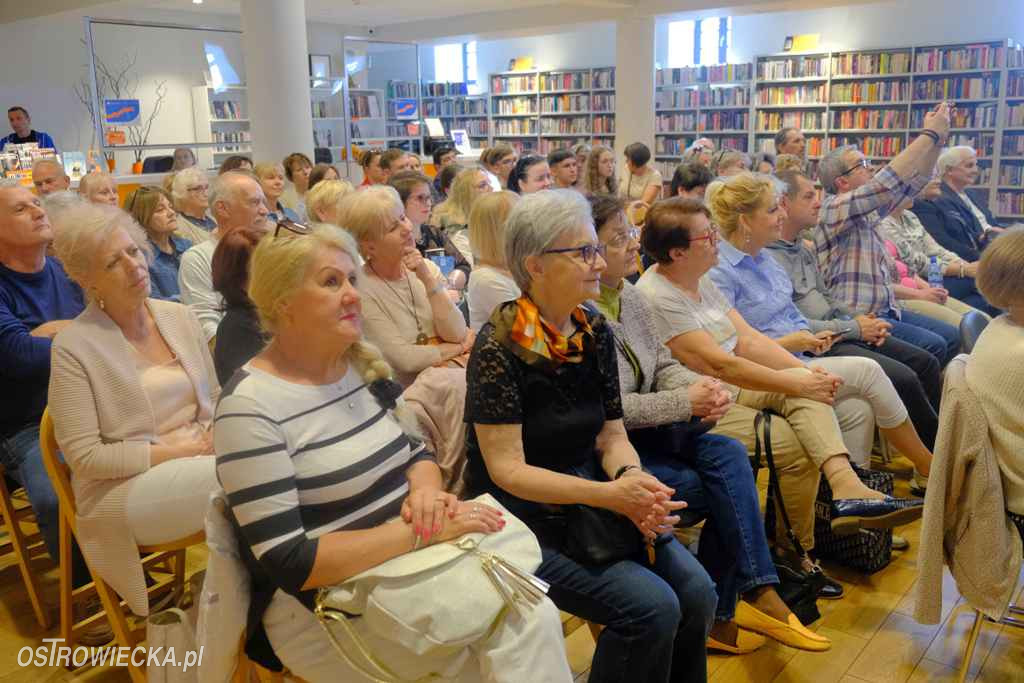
pixel 120 82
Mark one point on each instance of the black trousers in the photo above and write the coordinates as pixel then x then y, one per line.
pixel 915 374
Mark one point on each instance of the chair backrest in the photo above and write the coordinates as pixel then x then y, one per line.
pixel 57 469
pixel 971 326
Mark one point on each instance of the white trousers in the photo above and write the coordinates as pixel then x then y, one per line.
pixel 866 397
pixel 520 649
pixel 168 502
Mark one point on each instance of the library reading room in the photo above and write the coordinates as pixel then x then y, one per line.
pixel 577 341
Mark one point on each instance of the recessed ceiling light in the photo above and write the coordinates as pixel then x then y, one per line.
pixel 197 2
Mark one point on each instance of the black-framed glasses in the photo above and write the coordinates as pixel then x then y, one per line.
pixel 292 227
pixel 863 163
pixel 588 252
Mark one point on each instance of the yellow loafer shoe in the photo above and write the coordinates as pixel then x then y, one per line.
pixel 746 642
pixel 790 632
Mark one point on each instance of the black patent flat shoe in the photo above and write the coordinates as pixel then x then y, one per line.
pixel 853 514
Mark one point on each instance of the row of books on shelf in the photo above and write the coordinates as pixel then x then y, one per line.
pixel 232 136
pixel 870 91
pixel 959 58
pixel 706 121
pixel 692 99
pixel 576 125
pixel 697 75
pixel 516 127
pixel 963 116
pixel 522 147
pixel 513 84
pixel 796 94
pixel 1015 56
pixel 672 123
pixel 402 130
pixel 872 146
pixel 443 89
pixel 805 120
pixel 323 138
pixel 1015 115
pixel 476 127
pixel 447 108
pixel 364 106
pixel 570 80
pixel 604 78
pixel 321 110
pixel 1011 174
pixel 604 125
pixel 960 87
pixel 402 89
pixel 1015 84
pixel 871 63
pixel 549 145
pixel 1013 144
pixel 792 67
pixel 514 105
pixel 564 103
pixel 984 143
pixel 226 109
pixel 603 102
pixel 1010 203
pixel 869 118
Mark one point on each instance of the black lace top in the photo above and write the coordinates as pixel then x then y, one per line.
pixel 561 411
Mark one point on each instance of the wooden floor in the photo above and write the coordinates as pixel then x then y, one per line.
pixel 874 637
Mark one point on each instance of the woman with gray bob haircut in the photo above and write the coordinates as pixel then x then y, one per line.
pixel 132 391
pixel 546 438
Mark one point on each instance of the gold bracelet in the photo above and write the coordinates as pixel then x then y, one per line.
pixel 961 268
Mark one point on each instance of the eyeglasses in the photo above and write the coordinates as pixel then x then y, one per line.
pixel 624 237
pixel 422 198
pixel 863 163
pixel 588 252
pixel 292 227
pixel 711 236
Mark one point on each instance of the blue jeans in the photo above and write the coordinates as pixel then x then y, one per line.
pixel 934 336
pixel 964 289
pixel 715 480
pixel 656 618
pixel 21 456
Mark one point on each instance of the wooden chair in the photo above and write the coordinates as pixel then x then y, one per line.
pixel 25 546
pixel 169 557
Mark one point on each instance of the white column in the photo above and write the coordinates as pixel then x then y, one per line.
pixel 634 82
pixel 277 75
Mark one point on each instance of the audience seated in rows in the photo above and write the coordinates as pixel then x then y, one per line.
pixel 48 176
pixel 791 140
pixel 236 201
pixel 395 160
pixel 414 190
pixel 699 152
pixel 746 211
pixel 667 410
pixel 443 157
pixel 239 336
pixel 641 182
pixel 498 161
pixel 565 170
pixel 915 247
pixel 705 333
pixel 450 219
pixel 851 254
pixel 407 312
pixel 235 162
pixel 183 158
pixel 546 432
pixel 599 172
pixel 952 218
pixel 729 162
pixel 320 173
pixel 99 188
pixel 373 174
pixel 297 169
pixel 491 282
pixel 323 200
pixel 530 174
pixel 995 368
pixel 690 179
pixel 271 180
pixel 319 382
pixel 131 394
pixel 151 208
pixel 763 162
pixel 190 191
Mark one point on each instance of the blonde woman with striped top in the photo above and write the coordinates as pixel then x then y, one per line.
pixel 324 480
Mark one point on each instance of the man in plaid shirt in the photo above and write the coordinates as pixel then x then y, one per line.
pixel 851 252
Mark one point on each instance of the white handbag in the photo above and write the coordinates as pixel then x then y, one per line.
pixel 170 630
pixel 441 599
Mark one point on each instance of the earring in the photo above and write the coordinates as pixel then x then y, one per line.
pixel 102 305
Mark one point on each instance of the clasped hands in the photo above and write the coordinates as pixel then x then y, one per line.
pixel 645 501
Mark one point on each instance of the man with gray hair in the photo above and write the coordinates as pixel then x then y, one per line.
pixel 952 219
pixel 48 176
pixel 851 253
pixel 190 193
pixel 236 202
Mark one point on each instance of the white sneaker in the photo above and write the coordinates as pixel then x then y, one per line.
pixel 899 542
pixel 918 484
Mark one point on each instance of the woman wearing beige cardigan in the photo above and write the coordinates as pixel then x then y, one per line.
pixel 132 389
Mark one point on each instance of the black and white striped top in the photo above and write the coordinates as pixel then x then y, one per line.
pixel 300 461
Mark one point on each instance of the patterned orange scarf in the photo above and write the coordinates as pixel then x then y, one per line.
pixel 534 340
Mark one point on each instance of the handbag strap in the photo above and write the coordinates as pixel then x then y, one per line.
pixel 763 423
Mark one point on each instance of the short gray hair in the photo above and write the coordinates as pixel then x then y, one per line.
pixel 81 228
pixel 57 202
pixel 224 186
pixel 48 161
pixel 190 175
pixel 951 156
pixel 537 221
pixel 10 183
pixel 832 166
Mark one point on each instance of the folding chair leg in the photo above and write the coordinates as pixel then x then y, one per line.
pixel 972 641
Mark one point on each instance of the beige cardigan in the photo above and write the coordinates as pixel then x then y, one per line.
pixel 104 425
pixel 965 524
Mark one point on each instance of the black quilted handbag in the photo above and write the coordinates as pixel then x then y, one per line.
pixel 866 551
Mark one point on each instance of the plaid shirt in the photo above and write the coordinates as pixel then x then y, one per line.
pixel 851 253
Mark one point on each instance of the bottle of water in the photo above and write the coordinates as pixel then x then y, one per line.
pixel 934 273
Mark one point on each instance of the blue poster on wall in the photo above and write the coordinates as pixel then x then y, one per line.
pixel 121 112
pixel 405 108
